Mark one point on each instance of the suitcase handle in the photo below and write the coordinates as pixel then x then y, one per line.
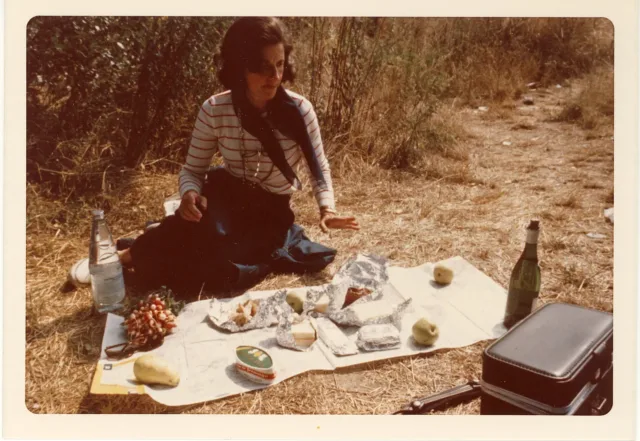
pixel 442 400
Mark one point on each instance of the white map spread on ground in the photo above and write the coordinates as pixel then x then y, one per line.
pixel 467 311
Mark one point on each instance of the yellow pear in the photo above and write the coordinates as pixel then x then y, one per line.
pixel 425 332
pixel 151 369
pixel 442 274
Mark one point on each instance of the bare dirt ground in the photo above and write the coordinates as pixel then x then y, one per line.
pixel 521 165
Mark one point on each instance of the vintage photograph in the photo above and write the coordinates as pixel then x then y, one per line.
pixel 319 215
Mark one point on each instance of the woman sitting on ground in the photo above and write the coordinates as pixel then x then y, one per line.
pixel 234 224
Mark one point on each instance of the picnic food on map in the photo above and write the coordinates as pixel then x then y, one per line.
pixel 322 304
pixel 245 312
pixel 255 364
pixel 304 334
pixel 150 321
pixel 442 274
pixel 295 300
pixel 354 293
pixel 378 337
pixel 424 332
pixel 151 369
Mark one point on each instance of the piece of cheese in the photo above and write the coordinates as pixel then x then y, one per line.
pixel 304 334
pixel 369 311
pixel 322 304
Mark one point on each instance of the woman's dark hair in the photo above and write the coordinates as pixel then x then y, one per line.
pixel 242 49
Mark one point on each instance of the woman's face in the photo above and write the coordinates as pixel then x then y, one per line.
pixel 263 84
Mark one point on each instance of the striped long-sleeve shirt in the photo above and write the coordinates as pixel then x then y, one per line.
pixel 217 129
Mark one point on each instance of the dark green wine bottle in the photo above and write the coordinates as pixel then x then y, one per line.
pixel 524 286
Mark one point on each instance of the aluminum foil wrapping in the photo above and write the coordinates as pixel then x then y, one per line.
pixel 387 312
pixel 334 338
pixel 362 271
pixel 335 294
pixel 284 335
pixel 221 313
pixel 378 337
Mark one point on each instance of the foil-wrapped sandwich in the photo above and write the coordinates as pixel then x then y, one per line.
pixel 378 337
pixel 371 311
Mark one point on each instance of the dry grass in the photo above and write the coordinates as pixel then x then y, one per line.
pixel 523 126
pixel 568 201
pixel 609 197
pixel 487 197
pixel 554 243
pixel 455 208
pixel 538 188
pixel 592 107
pixel 558 216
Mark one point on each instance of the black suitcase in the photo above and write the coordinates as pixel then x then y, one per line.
pixel 557 361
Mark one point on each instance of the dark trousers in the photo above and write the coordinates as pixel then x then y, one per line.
pixel 245 233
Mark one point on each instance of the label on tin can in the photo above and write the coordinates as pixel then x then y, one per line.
pixel 255 364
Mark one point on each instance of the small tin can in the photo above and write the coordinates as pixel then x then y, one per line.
pixel 255 364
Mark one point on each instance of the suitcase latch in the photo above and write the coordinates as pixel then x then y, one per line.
pixel 596 409
pixel 600 353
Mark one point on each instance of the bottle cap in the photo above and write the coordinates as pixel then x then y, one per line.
pixel 99 214
pixel 534 225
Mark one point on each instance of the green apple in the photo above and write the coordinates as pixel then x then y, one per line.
pixel 296 301
pixel 442 274
pixel 425 332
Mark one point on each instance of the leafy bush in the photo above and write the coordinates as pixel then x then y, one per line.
pixel 110 94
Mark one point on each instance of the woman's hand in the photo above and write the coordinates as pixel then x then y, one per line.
pixel 190 206
pixel 329 219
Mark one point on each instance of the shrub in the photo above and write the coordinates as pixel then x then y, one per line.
pixel 115 93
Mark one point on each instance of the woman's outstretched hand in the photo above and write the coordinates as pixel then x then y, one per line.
pixel 333 221
pixel 190 206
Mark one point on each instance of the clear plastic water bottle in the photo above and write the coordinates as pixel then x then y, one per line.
pixel 107 281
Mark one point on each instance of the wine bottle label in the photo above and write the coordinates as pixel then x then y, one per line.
pixel 526 276
pixel 523 289
pixel 532 236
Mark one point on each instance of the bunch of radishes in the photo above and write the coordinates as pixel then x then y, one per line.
pixel 150 322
